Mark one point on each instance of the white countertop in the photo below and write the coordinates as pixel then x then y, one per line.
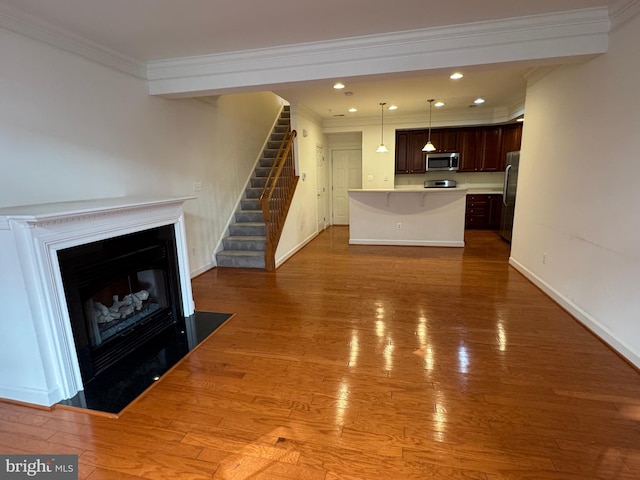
pixel 411 189
pixel 418 189
pixel 487 191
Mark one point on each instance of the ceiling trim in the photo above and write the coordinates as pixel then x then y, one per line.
pixel 31 27
pixel 623 12
pixel 571 33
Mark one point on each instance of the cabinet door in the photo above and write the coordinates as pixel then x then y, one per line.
pixel 495 211
pixel 448 140
pixel 468 142
pixel 402 152
pixel 444 139
pixel 511 138
pixel 492 150
pixel 417 160
pixel 409 155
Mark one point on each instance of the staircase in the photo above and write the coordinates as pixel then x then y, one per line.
pixel 244 246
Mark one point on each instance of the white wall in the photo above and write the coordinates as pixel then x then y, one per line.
pixel 577 201
pixel 301 225
pixel 72 129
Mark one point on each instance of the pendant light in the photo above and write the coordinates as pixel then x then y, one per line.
pixel 429 146
pixel 382 148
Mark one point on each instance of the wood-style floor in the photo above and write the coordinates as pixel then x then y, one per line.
pixel 364 362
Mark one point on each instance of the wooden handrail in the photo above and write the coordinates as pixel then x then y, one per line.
pixel 276 196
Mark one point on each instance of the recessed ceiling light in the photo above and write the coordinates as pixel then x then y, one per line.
pixel 438 104
pixel 478 100
pixel 353 110
pixel 393 107
pixel 338 86
pixel 456 76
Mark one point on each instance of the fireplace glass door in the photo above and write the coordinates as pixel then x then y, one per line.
pixel 121 293
pixel 125 302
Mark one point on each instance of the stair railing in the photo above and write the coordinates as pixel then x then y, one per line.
pixel 276 197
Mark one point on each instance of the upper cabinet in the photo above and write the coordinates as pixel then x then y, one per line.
pixel 445 140
pixel 482 149
pixel 409 155
pixel 511 138
pixel 470 149
pixel 491 148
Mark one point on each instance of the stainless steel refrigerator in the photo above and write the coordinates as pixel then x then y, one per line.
pixel 509 195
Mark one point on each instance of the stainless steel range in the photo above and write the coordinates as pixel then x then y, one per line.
pixel 440 184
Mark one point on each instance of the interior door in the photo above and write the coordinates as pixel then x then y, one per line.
pixel 320 188
pixel 347 174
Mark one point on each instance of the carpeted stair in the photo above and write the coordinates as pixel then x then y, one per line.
pixel 244 246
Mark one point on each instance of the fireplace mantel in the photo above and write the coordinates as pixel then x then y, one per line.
pixel 38 360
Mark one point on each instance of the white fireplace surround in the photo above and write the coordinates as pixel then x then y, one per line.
pixel 38 361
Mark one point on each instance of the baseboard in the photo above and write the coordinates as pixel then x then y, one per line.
pixel 580 315
pixel 201 270
pixel 34 397
pixel 294 250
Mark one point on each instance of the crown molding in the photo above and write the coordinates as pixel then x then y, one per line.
pixel 36 29
pixel 298 108
pixel 571 33
pixel 578 32
pixel 622 12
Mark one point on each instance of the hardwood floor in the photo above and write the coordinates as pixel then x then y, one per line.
pixel 365 362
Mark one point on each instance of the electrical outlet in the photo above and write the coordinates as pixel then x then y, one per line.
pixel 544 258
pixel 197 186
pixel 398 226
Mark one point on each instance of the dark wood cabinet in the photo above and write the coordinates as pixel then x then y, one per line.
pixel 482 149
pixel 491 148
pixel 445 140
pixel 469 146
pixel 511 138
pixel 409 155
pixel 402 152
pixel 495 211
pixel 483 211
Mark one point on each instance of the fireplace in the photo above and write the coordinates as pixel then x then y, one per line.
pixel 84 282
pixel 121 293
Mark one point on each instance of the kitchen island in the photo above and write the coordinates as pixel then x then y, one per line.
pixel 407 216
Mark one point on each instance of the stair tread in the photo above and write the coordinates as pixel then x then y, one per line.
pixel 242 253
pixel 246 237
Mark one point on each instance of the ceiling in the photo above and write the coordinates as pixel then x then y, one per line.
pixel 145 30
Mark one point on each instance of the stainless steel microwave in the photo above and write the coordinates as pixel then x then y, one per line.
pixel 442 161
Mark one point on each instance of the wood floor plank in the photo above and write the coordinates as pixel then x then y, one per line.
pixel 364 362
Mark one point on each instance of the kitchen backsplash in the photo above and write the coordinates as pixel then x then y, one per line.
pixel 464 179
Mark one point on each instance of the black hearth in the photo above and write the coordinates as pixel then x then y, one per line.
pixel 122 293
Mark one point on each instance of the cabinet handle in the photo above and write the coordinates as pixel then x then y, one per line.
pixel 504 188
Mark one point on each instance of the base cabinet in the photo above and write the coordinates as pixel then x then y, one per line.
pixel 483 211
